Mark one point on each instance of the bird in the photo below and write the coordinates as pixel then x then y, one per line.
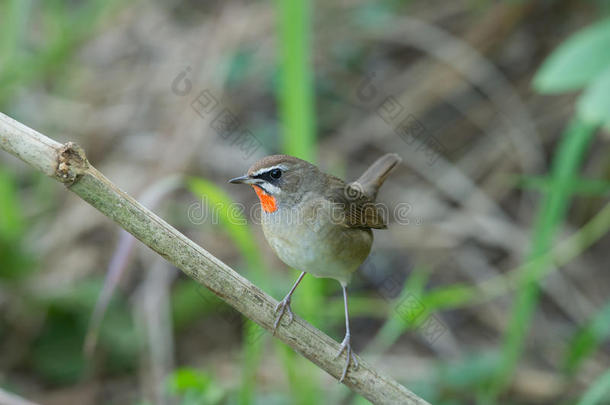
pixel 317 223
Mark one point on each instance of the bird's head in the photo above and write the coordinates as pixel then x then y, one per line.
pixel 280 180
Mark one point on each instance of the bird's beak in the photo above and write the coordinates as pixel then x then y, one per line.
pixel 244 180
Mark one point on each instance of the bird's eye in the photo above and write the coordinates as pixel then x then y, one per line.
pixel 275 174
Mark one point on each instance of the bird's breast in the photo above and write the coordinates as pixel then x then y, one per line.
pixel 309 239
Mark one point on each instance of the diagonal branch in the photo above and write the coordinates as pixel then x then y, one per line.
pixel 68 164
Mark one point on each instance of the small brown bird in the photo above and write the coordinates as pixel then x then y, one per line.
pixel 317 223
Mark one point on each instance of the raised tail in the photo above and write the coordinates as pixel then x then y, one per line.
pixel 375 175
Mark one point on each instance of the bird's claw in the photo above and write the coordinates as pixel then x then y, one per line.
pixel 346 346
pixel 283 306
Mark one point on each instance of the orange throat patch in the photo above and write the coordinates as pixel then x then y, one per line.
pixel 267 201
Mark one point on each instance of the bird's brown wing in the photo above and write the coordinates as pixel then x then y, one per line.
pixel 355 208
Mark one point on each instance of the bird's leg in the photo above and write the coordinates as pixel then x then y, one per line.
pixel 346 345
pixel 284 305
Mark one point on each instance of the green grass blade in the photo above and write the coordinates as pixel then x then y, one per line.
pixel 577 61
pixel 15 14
pixel 553 208
pixel 11 219
pixel 561 254
pixel 16 262
pixel 598 391
pixel 594 104
pixel 296 85
pixel 296 105
pixel 235 224
pixel 395 324
pixel 588 339
pixel 231 220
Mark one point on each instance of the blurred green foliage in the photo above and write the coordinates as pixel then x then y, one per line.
pixel 57 352
pixel 298 134
pixel 195 387
pixel 553 208
pixel 582 62
pixel 63 26
pixel 599 392
pixel 234 223
pixel 17 262
pixel 396 325
pixel 188 305
pixel 587 339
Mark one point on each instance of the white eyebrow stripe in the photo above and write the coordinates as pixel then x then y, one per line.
pixel 266 169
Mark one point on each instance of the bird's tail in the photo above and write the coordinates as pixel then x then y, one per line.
pixel 375 175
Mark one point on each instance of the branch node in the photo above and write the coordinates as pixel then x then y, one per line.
pixel 72 163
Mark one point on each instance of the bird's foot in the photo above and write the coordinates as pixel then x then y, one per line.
pixel 283 306
pixel 346 346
